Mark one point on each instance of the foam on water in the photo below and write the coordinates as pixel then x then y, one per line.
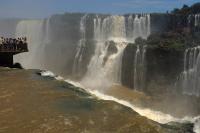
pixel 51 74
pixel 47 74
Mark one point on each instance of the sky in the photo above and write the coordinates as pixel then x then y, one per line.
pixel 46 8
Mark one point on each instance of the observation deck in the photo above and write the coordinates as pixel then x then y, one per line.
pixel 10 47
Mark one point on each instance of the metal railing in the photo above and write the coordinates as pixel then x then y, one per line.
pixel 14 47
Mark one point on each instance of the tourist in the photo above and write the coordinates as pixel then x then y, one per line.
pixel 1 40
pixel 11 44
pixel 1 43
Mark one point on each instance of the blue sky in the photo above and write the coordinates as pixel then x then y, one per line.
pixel 45 8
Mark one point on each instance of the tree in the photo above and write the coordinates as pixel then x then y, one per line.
pixel 185 7
pixel 175 11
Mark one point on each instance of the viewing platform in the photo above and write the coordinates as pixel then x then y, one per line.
pixel 10 47
pixel 14 51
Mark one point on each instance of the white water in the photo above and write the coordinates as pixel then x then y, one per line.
pixel 47 31
pixel 32 29
pixel 191 74
pixel 100 74
pixel 197 20
pixel 51 74
pixel 80 49
pixel 36 38
pixel 139 26
pixel 139 68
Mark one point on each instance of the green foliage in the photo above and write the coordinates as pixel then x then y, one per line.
pixel 140 41
pixel 176 10
pixel 185 10
pixel 167 41
pixel 170 41
pixel 195 8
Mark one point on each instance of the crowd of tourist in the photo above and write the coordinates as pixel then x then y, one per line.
pixel 13 44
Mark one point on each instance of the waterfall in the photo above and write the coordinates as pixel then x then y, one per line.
pixel 111 36
pixel 81 47
pixel 141 28
pixel 113 28
pixel 197 20
pixel 47 31
pixel 33 30
pixel 191 74
pixel 138 27
pixel 118 30
pixel 49 48
pixel 103 69
pixel 139 68
pixel 137 55
pixel 194 19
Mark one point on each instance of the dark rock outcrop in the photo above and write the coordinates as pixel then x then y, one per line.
pixel 163 68
pixel 111 49
pixel 128 66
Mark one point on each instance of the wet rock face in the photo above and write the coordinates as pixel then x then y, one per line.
pixel 162 67
pixel 111 49
pixel 87 53
pixel 160 23
pixel 184 128
pixel 128 66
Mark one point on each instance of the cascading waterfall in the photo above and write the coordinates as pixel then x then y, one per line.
pixel 120 30
pixel 194 19
pixel 47 31
pixel 33 30
pixel 191 74
pixel 137 55
pixel 197 20
pixel 45 50
pixel 113 28
pixel 111 32
pixel 81 47
pixel 101 73
pixel 141 28
pixel 139 68
pixel 138 27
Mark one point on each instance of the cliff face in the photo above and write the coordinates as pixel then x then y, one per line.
pixel 162 67
pixel 160 23
pixel 66 39
pixel 128 66
pixel 170 35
